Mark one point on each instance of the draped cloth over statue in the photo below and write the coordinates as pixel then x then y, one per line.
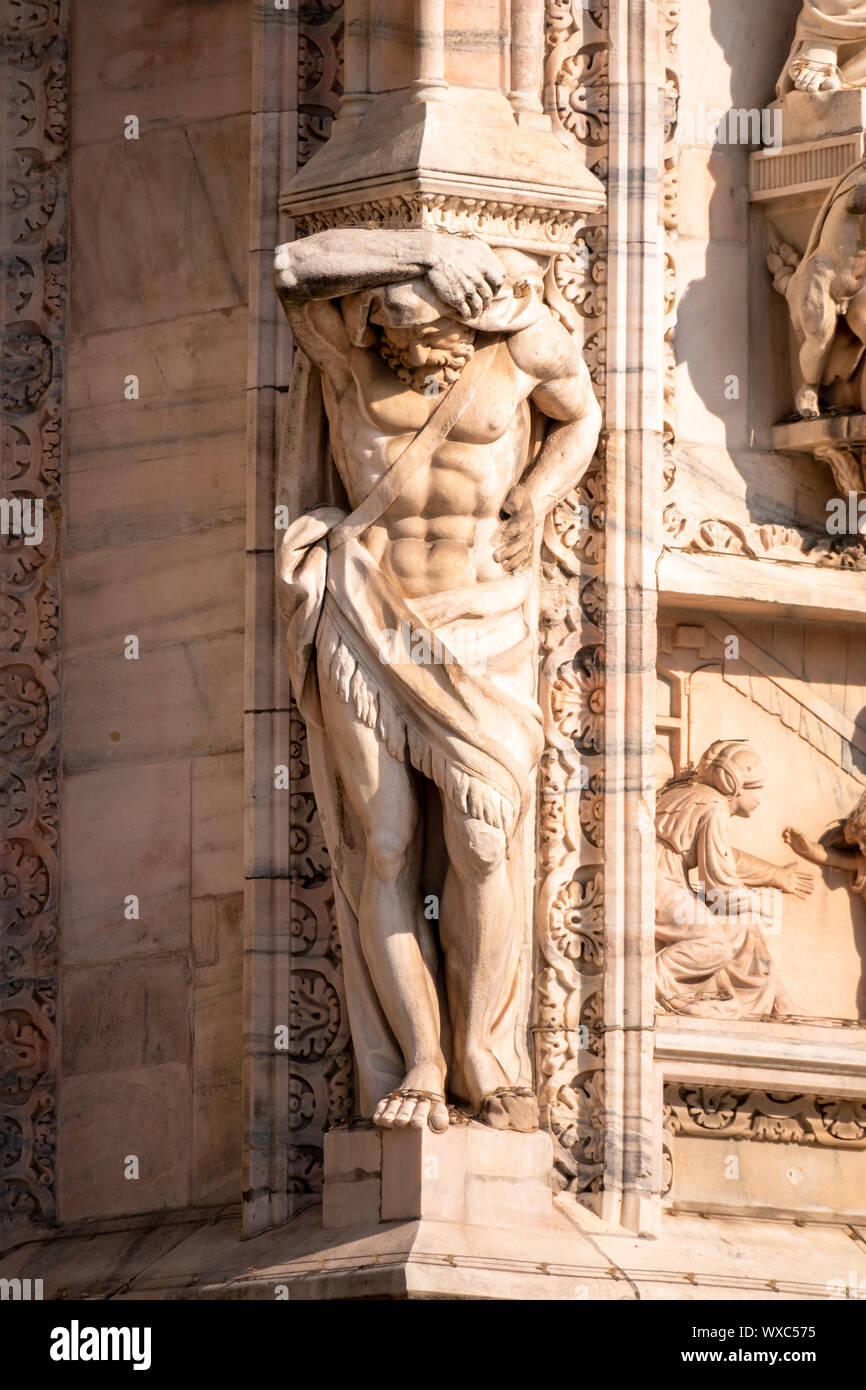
pixel 471 726
pixel 712 958
pixel 832 22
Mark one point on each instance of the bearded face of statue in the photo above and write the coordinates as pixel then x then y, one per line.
pixel 427 353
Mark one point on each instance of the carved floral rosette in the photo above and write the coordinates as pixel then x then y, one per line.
pixel 568 1019
pixel 34 297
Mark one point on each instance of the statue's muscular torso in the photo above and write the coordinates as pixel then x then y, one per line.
pixel 438 534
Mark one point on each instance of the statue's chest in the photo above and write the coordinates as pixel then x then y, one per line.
pixel 396 411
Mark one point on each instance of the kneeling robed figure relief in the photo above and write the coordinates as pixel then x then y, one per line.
pixel 712 958
pixel 459 413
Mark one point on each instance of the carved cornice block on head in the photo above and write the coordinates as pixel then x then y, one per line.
pixel 544 230
pixel 459 164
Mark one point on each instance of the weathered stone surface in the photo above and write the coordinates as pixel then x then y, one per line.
pixel 181 65
pixel 135 824
pixel 112 1117
pixel 125 1015
pixel 180 701
pixel 217 1031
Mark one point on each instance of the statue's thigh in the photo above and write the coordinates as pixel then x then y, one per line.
pixel 380 788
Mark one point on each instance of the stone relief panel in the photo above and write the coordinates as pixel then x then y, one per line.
pixel 793 730
pixel 34 295
pixel 713 1112
pixel 712 957
pixel 755 1152
pixel 742 477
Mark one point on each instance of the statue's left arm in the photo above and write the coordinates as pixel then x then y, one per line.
pixel 758 873
pixel 547 353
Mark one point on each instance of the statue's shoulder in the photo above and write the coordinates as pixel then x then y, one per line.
pixel 543 347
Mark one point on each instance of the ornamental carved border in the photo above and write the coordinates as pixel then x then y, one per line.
pixel 320 1057
pixel 712 1112
pixel 568 1015
pixel 34 255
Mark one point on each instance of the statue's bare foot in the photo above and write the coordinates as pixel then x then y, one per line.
pixel 414 1104
pixel 807 404
pixel 815 75
pixel 511 1107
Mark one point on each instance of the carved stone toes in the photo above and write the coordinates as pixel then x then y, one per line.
pixel 511 1108
pixel 410 1108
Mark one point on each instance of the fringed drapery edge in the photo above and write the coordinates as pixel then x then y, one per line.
pixel 352 682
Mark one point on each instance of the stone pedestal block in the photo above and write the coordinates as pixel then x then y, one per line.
pixel 470 1175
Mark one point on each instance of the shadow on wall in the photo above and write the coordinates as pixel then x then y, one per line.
pixel 753 41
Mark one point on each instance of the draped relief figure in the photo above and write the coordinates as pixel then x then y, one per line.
pixel 439 411
pixel 826 294
pixel 712 956
pixel 829 50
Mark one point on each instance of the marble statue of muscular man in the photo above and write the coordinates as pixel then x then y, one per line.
pixel 438 412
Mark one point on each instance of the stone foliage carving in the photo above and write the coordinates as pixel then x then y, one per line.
pixel 321 1081
pixel 34 268
pixel 829 50
pixel 320 65
pixel 712 957
pixel 321 1085
pixel 712 1112
pixel 569 1033
pixel 755 541
pixel 548 229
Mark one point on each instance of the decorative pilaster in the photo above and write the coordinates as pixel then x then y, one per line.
pixel 635 421
pixel 33 241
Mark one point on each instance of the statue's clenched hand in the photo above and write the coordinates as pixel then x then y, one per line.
pixel 516 535
pixel 464 273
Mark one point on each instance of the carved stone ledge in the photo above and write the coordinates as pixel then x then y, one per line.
pixel 837 440
pixel 543 229
pixel 819 1057
pixel 783 177
pixel 411 165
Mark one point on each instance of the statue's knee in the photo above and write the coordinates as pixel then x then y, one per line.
pixel 483 847
pixel 388 849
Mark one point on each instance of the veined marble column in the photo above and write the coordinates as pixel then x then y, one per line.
pixel 430 41
pixel 356 44
pixel 527 56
